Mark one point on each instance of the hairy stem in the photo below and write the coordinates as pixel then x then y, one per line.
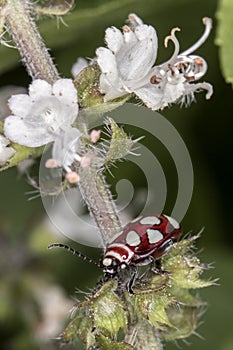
pixel 98 198
pixel 95 191
pixel 34 53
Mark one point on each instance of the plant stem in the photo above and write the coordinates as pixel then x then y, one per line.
pixel 22 27
pixel 98 198
pixel 95 191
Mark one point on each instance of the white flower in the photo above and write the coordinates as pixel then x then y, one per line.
pixel 65 152
pixel 127 66
pixel 128 59
pixel 79 65
pixel 66 147
pixel 38 117
pixel 5 152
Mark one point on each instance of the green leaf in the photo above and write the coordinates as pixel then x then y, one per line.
pixel 103 312
pixel 224 38
pixel 22 152
pixel 151 283
pixel 185 271
pixel 184 320
pixel 108 311
pixel 105 343
pixel 183 266
pixel 184 297
pixel 152 307
pixel 157 313
pixel 179 248
pixel 81 326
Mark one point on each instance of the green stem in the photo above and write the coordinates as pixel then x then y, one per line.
pixel 34 53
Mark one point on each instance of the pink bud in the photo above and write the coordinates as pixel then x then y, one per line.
pixel 95 135
pixel 72 177
pixel 51 163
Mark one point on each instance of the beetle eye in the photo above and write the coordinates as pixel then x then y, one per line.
pixel 114 263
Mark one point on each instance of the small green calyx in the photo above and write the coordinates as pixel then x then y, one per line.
pixel 108 311
pixel 99 318
pixel 163 306
pixel 120 144
pixel 87 84
pixel 104 342
pixel 21 153
pixel 89 95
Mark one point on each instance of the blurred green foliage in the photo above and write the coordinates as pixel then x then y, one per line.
pixel 206 128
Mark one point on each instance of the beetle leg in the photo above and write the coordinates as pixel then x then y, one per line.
pixel 132 279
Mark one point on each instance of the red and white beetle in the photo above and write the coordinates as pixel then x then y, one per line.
pixel 143 240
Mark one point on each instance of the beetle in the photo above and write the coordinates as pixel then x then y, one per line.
pixel 142 241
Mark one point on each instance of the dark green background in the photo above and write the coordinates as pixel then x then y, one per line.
pixel 206 128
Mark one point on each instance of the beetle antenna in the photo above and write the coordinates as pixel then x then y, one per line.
pixel 75 252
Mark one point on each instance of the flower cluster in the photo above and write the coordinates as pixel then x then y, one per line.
pixel 46 115
pixel 127 66
pixel 41 115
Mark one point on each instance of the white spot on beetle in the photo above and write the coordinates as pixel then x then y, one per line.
pixel 154 236
pixel 107 261
pixel 150 220
pixel 133 239
pixel 173 222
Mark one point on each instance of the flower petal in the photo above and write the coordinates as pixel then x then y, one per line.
pixel 50 114
pixel 134 62
pixel 66 146
pixel 157 98
pixel 134 20
pixel 79 65
pixel 27 135
pixel 5 152
pixel 40 116
pixel 3 141
pixel 130 37
pixel 114 39
pixel 39 88
pixel 109 79
pixel 107 62
pixel 20 104
pixel 65 90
